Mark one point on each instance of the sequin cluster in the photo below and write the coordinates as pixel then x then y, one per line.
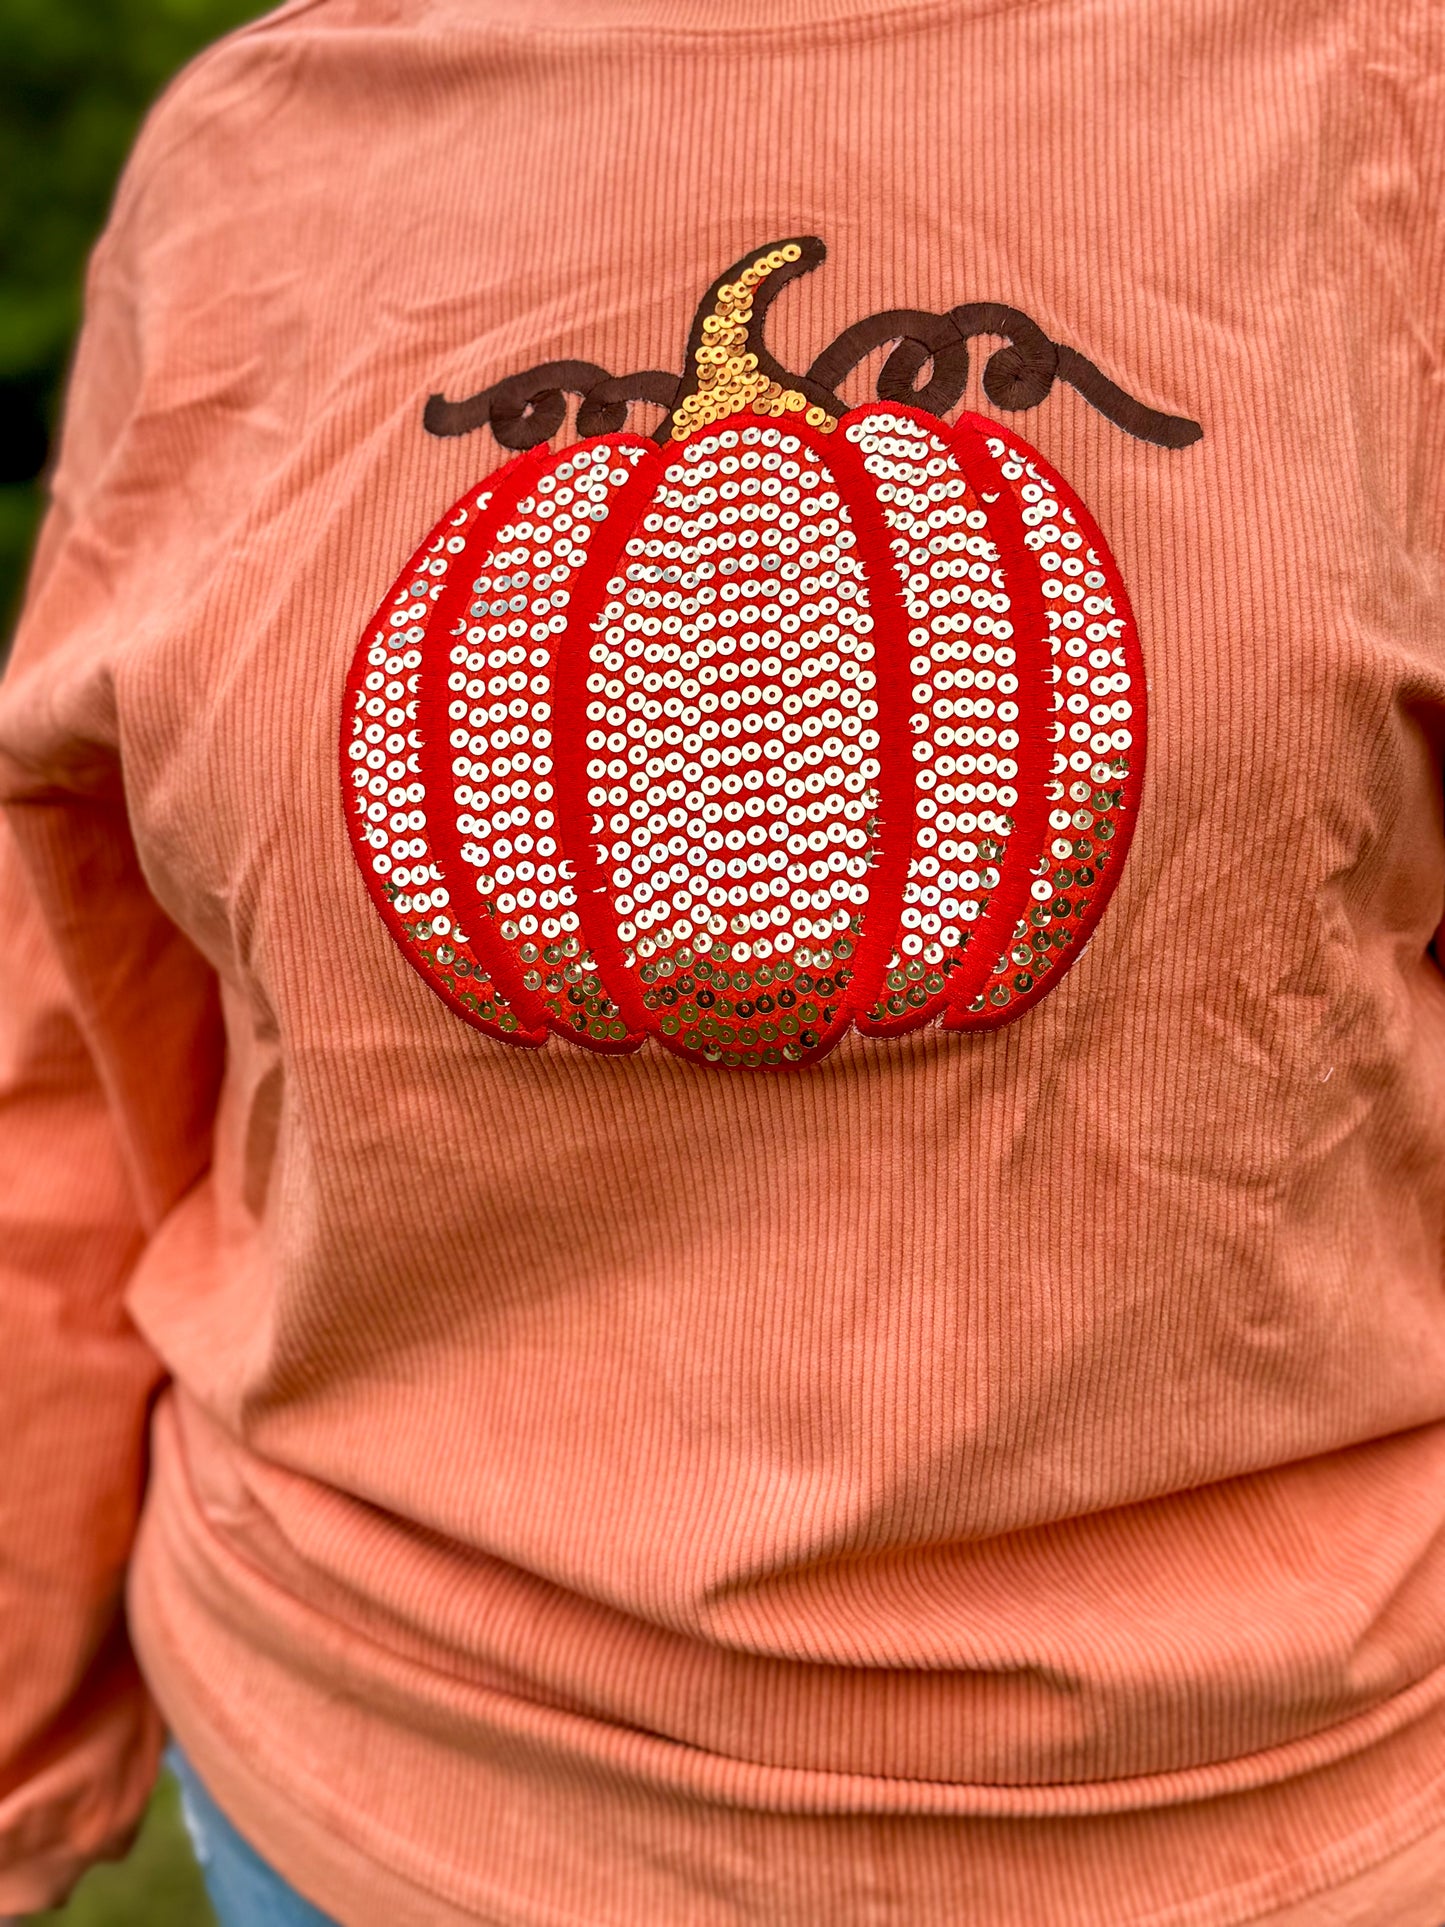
pixel 389 794
pixel 965 703
pixel 733 748
pixel 726 373
pixel 1092 697
pixel 502 684
pixel 701 855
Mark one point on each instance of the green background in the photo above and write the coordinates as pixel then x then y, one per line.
pixel 156 1886
pixel 75 78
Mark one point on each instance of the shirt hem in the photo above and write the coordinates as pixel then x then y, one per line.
pixel 532 1804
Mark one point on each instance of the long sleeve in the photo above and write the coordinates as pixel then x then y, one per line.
pixel 109 1048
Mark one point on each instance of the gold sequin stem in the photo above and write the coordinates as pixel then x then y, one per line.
pixel 727 374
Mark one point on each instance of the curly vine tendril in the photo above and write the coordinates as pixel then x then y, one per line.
pixel 524 410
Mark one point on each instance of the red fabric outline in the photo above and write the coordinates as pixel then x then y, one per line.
pixel 569 835
pixel 1031 818
pixel 487 943
pixel 1031 646
pixel 1126 816
pixel 890 623
pixel 569 740
pixel 898 821
pixel 532 469
pixel 442 613
pixel 569 736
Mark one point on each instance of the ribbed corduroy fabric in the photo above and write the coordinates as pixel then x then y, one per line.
pixel 993 1478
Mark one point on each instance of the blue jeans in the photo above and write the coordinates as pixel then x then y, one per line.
pixel 244 1891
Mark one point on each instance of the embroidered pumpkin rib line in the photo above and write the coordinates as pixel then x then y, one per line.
pixel 389 817
pixel 723 759
pixel 776 725
pixel 973 652
pixel 1096 733
pixel 495 740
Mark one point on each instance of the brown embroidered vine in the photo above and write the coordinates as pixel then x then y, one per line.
pixel 527 409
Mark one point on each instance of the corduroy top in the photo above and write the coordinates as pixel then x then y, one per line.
pixel 722 1087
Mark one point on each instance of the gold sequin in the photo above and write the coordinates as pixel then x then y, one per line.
pixel 726 370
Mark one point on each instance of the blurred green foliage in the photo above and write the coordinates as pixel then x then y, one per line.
pixel 75 78
pixel 157 1886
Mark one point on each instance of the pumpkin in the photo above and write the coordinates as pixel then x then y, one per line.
pixel 793 724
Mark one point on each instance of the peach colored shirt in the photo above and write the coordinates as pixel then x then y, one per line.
pixel 986 1474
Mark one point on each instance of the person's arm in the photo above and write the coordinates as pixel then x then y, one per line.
pixel 110 1048
pixel 107 1073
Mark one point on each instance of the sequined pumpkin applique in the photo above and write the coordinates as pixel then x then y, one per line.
pixel 791 724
